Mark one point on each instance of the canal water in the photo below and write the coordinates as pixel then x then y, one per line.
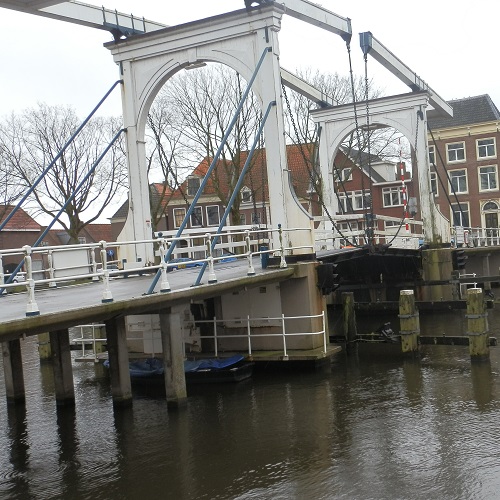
pixel 373 426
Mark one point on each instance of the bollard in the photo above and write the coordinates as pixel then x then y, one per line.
pixel 477 325
pixel 409 322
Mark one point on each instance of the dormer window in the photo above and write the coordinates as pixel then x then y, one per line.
pixel 193 185
pixel 246 195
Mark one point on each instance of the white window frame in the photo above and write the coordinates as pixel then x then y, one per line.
pixel 208 216
pixel 448 150
pixel 466 209
pixel 434 183
pixel 246 193
pixel 480 176
pixel 432 155
pixel 485 148
pixel 356 197
pixel 193 217
pixel 174 214
pixel 392 190
pixel 450 172
pixel 82 240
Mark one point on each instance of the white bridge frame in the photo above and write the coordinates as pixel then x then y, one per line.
pixel 400 112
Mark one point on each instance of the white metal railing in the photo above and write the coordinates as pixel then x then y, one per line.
pixel 76 263
pixel 397 234
pixel 248 336
pixel 475 236
pixel 464 286
pixel 83 341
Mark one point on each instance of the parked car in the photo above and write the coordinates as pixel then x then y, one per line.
pixel 182 263
pixel 18 278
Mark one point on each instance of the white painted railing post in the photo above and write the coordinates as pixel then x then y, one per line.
pixel 93 263
pixel 216 350
pixel 249 335
pixel 285 355
pixel 2 276
pixel 211 271
pixel 283 261
pixel 106 296
pixel 251 270
pixel 324 330
pixel 52 271
pixel 164 284
pixel 32 307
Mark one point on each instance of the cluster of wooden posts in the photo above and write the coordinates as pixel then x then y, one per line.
pixel 409 331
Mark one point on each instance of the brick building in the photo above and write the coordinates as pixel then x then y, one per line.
pixel 463 156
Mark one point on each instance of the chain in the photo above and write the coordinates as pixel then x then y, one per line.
pixel 310 172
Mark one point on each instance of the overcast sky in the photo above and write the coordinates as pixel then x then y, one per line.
pixel 451 45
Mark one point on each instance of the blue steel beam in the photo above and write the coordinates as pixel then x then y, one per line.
pixel 212 166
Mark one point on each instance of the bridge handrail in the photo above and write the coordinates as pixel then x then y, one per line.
pixel 284 334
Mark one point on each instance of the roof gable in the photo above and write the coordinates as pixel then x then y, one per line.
pixel 20 221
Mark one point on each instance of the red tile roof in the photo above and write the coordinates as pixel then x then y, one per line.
pixel 20 221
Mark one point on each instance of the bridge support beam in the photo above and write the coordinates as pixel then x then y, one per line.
pixel 63 372
pixel 409 322
pixel 349 320
pixel 121 388
pixel 437 266
pixel 477 325
pixel 13 371
pixel 173 358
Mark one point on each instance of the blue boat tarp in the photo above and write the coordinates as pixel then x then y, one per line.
pixel 154 366
pixel 212 364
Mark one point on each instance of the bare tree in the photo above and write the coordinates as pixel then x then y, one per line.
pixel 10 187
pixel 205 102
pixel 33 140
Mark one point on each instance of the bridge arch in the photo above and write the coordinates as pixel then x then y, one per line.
pixel 405 113
pixel 238 40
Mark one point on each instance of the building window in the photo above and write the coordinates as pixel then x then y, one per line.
pixel 458 179
pixel 392 196
pixel 460 214
pixel 455 152
pixel 432 155
pixel 193 185
pixel 486 148
pixel 360 200
pixel 213 217
pixel 82 240
pixel 243 219
pixel 246 195
pixel 345 204
pixel 256 218
pixel 343 175
pixel 196 217
pixel 488 178
pixel 434 184
pixel 179 215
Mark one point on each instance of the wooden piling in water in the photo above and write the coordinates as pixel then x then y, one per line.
pixel 409 322
pixel 63 371
pixel 477 325
pixel 13 371
pixel 349 319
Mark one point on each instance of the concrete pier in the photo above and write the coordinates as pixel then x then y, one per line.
pixel 13 371
pixel 173 358
pixel 121 388
pixel 44 350
pixel 63 371
pixel 409 322
pixel 477 325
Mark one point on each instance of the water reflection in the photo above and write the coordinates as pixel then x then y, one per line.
pixel 377 425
